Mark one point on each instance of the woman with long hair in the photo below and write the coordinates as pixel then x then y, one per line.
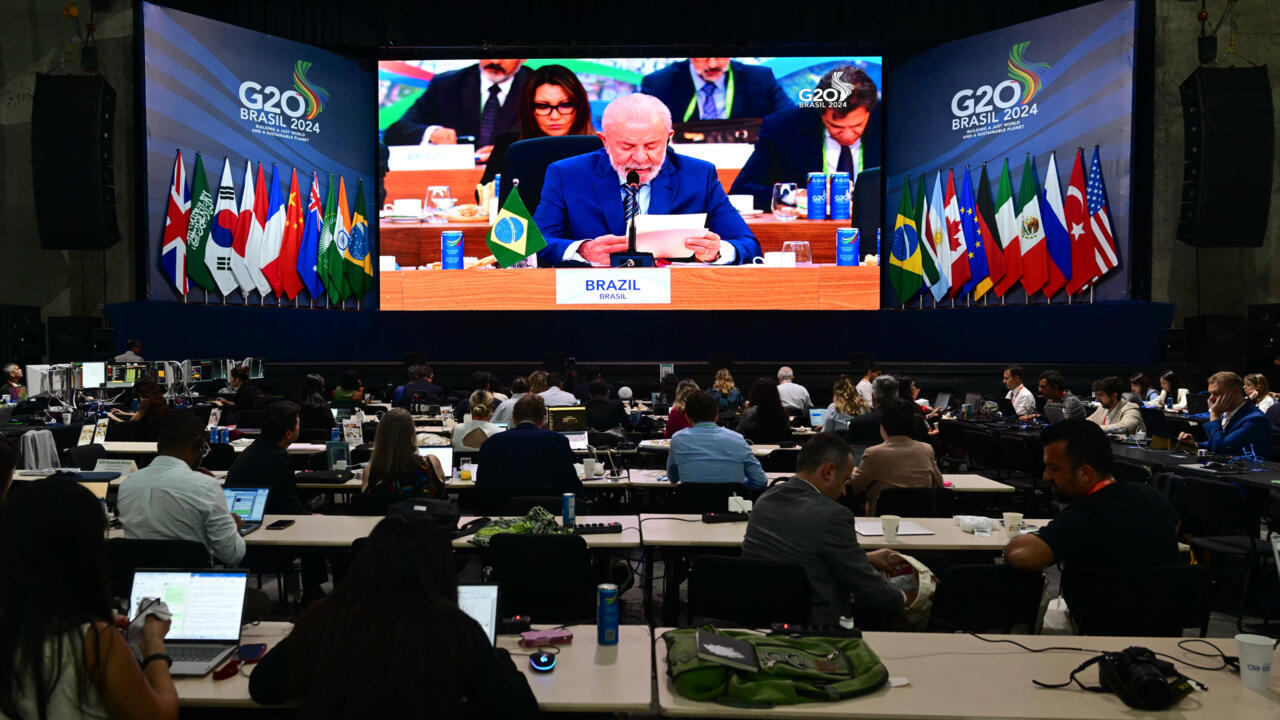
pixel 1140 385
pixel 1171 386
pixel 726 393
pixel 396 471
pixel 677 420
pixel 314 414
pixel 846 404
pixel 1257 389
pixel 765 420
pixel 390 641
pixel 151 403
pixel 61 655
pixel 553 104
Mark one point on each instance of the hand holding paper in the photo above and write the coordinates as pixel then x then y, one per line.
pixel 665 236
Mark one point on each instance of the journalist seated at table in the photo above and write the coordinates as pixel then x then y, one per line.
pixel 899 461
pixel 1235 425
pixel 587 205
pixel 266 462
pixel 1114 413
pixel 708 453
pixel 527 456
pixel 396 471
pixel 865 429
pixel 802 522
pixel 603 412
pixel 1052 387
pixel 473 432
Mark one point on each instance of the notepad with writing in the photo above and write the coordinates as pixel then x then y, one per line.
pixel 873 528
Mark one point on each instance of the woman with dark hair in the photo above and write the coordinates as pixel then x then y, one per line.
pixel 1171 386
pixel 553 103
pixel 246 397
pixel 390 641
pixel 396 471
pixel 764 420
pixel 151 403
pixel 1140 385
pixel 60 653
pixel 313 409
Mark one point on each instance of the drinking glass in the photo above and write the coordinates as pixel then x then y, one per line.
pixel 439 199
pixel 803 253
pixel 784 202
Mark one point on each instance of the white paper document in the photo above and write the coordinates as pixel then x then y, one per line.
pixel 664 235
pixel 873 528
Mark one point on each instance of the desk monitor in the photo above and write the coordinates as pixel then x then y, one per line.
pixel 1006 407
pixel 567 419
pixel 817 416
pixel 38 380
pixel 249 503
pixel 443 454
pixel 973 399
pixel 481 603
pixel 91 374
pixel 577 440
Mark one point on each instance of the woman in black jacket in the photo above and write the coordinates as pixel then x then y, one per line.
pixel 390 641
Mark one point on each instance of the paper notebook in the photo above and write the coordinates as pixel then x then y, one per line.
pixel 873 528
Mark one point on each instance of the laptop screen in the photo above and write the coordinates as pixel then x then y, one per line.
pixel 943 400
pixel 248 503
pixel 577 440
pixel 816 416
pixel 443 454
pixel 206 605
pixel 481 603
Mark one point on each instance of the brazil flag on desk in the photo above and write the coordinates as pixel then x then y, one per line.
pixel 513 236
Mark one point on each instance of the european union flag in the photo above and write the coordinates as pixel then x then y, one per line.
pixel 977 250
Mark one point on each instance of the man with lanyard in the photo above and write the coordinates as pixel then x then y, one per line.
pixel 1105 523
pixel 1024 403
pixel 716 89
pixel 828 135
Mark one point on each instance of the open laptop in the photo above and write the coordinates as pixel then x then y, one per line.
pixel 1006 407
pixel 1054 413
pixel 817 416
pixel 567 419
pixel 250 504
pixel 944 399
pixel 443 454
pixel 206 606
pixel 481 603
pixel 577 440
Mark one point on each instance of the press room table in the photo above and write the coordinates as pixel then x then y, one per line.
pixel 588 677
pixel 118 447
pixel 628 538
pixel 959 482
pixel 677 530
pixel 959 676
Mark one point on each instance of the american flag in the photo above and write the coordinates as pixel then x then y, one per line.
pixel 1100 219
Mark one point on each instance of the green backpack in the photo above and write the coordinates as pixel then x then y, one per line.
pixel 792 670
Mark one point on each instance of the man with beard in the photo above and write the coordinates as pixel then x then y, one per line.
pixel 478 100
pixel 587 205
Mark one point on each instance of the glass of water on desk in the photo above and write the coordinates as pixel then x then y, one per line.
pixel 439 200
pixel 784 205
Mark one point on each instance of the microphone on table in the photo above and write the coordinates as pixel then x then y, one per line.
pixel 632 258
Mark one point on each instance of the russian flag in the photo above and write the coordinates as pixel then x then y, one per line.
pixel 1055 230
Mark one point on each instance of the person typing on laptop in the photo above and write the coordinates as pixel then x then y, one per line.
pixel 171 499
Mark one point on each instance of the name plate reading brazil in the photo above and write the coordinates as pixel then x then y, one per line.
pixel 613 286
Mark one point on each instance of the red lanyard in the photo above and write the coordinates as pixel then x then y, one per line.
pixel 1102 484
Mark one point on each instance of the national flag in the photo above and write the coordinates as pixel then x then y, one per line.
pixel 291 242
pixel 309 243
pixel 1055 230
pixel 514 236
pixel 243 227
pixel 357 262
pixel 258 235
pixel 342 239
pixel 1084 263
pixel 273 235
pixel 979 278
pixel 218 254
pixel 956 241
pixel 987 225
pixel 1007 230
pixel 904 255
pixel 173 246
pixel 1100 219
pixel 330 259
pixel 199 219
pixel 936 233
pixel 1035 258
pixel 928 251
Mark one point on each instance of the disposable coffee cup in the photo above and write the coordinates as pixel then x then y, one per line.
pixel 890 525
pixel 1255 653
pixel 1013 524
pixel 590 468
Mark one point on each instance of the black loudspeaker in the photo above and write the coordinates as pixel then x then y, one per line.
pixel 1264 337
pixel 1175 345
pixel 72 117
pixel 1216 341
pixel 1230 138
pixel 71 338
pixel 103 344
pixel 21 334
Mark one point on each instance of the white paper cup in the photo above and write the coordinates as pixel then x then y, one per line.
pixel 1255 653
pixel 407 206
pixel 890 525
pixel 1013 524
pixel 742 203
pixel 590 468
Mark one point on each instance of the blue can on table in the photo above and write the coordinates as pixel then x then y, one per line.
pixel 451 249
pixel 847 244
pixel 841 192
pixel 607 614
pixel 334 435
pixel 224 435
pixel 213 435
pixel 568 509
pixel 817 196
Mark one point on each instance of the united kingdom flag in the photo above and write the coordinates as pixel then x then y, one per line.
pixel 173 250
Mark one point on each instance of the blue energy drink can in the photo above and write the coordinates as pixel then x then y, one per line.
pixel 817 192
pixel 335 435
pixel 451 249
pixel 224 435
pixel 841 192
pixel 213 435
pixel 607 614
pixel 568 509
pixel 847 243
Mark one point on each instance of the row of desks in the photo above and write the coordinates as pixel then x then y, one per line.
pixel 936 676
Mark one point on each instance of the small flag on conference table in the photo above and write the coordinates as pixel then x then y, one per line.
pixel 173 249
pixel 273 235
pixel 1010 235
pixel 199 221
pixel 309 243
pixel 357 262
pixel 904 255
pixel 514 236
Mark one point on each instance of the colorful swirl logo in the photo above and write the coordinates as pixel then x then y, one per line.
pixel 1025 72
pixel 315 95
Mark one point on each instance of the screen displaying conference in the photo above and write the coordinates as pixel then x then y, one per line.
pixel 753 203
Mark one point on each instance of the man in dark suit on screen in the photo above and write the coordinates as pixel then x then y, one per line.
pixel 716 89
pixel 837 135
pixel 525 460
pixel 479 100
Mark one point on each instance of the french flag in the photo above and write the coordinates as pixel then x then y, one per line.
pixel 273 235
pixel 173 252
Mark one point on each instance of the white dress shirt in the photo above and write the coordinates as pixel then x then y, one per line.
pixel 555 397
pixel 863 389
pixel 831 154
pixel 795 396
pixel 463 429
pixel 167 500
pixel 1024 403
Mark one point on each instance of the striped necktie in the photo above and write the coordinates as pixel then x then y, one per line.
pixel 709 111
pixel 489 117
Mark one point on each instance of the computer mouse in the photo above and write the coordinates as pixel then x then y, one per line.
pixel 542 661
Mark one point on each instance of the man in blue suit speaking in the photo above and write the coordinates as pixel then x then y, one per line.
pixel 581 214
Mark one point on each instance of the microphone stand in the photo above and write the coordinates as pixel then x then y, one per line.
pixel 632 258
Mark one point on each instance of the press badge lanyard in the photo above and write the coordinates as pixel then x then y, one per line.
pixel 1101 484
pixel 857 160
pixel 728 98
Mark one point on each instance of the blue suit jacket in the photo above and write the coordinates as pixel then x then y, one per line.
pixel 582 199
pixel 790 147
pixel 756 92
pixel 527 456
pixel 1248 426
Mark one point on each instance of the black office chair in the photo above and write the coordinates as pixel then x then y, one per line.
pixel 125 556
pixel 706 497
pixel 1223 518
pixel 546 577
pixel 747 593
pixel 1145 601
pixel 780 460
pixel 527 160
pixel 85 457
pixel 986 598
pixel 929 502
pixel 493 501
pixel 220 457
pixel 981 451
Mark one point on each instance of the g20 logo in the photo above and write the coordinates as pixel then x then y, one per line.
pixel 270 105
pixel 1008 100
pixel 967 102
pixel 270 100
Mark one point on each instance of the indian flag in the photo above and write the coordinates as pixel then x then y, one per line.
pixel 514 236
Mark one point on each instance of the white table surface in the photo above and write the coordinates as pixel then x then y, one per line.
pixel 676 530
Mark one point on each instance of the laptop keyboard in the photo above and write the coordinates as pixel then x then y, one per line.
pixel 194 653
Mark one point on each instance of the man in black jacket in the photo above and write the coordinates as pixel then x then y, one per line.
pixel 865 429
pixel 457 103
pixel 603 412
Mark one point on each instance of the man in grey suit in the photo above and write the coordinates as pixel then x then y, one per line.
pixel 801 522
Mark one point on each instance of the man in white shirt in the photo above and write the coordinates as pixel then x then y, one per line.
pixel 132 352
pixel 555 395
pixel 171 500
pixel 1024 403
pixel 794 395
pixel 863 387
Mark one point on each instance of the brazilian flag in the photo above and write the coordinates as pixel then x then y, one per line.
pixel 514 237
pixel 905 267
